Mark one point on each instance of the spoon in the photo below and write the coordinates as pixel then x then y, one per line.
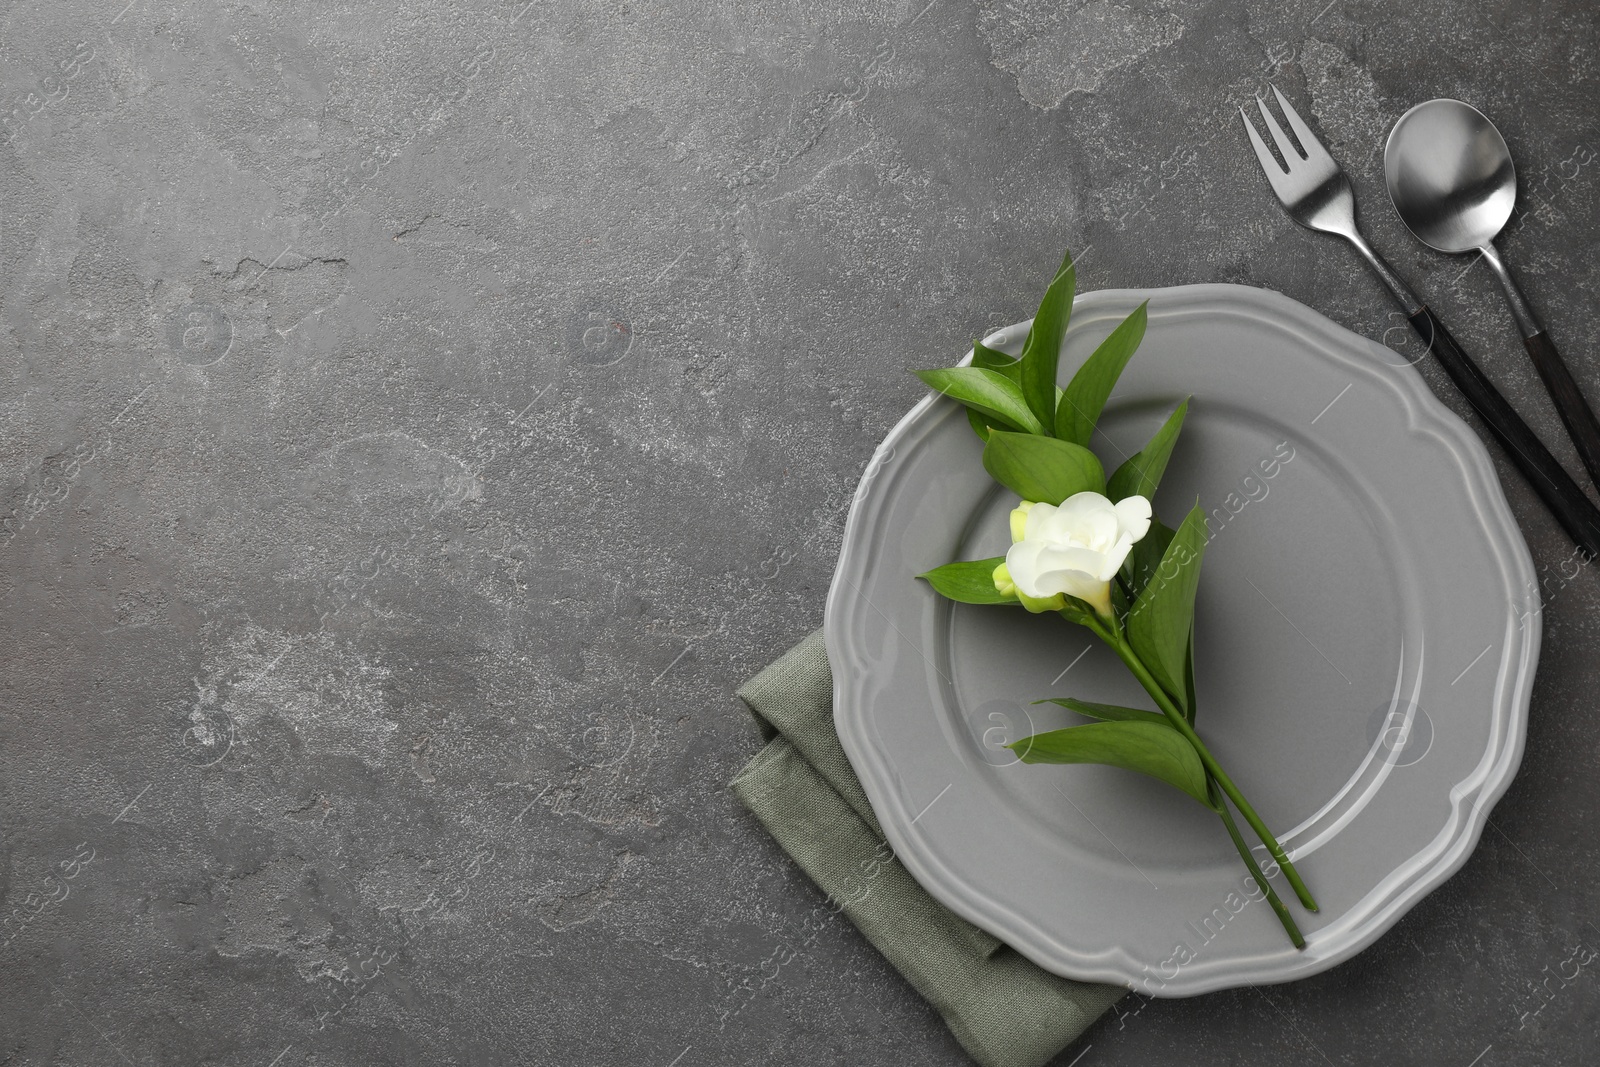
pixel 1453 184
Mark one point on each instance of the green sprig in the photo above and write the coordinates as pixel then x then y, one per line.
pixel 1036 443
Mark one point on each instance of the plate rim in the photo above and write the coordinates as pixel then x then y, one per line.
pixel 1425 413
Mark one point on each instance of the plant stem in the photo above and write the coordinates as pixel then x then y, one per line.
pixel 1180 723
pixel 1255 869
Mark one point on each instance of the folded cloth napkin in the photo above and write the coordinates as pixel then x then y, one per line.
pixel 1005 1011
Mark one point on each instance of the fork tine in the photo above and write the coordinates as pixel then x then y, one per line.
pixel 1308 140
pixel 1290 155
pixel 1272 168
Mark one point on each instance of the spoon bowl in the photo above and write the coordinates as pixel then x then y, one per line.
pixel 1450 175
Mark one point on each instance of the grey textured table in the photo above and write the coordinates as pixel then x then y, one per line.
pixel 416 419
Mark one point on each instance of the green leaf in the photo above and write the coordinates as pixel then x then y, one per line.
pixel 1141 475
pixel 969 581
pixel 1188 678
pixel 1163 617
pixel 1150 748
pixel 1145 557
pixel 996 360
pixel 1042 468
pixel 1085 397
pixel 1121 602
pixel 981 424
pixel 986 391
pixel 1107 712
pixel 1042 349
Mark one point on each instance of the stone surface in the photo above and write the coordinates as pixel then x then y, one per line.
pixel 417 418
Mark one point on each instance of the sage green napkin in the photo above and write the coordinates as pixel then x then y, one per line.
pixel 1005 1011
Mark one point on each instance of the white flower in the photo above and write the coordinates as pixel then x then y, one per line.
pixel 1074 549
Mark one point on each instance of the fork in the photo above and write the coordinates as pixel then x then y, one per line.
pixel 1315 193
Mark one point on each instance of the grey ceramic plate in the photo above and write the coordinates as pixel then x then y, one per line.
pixel 1367 632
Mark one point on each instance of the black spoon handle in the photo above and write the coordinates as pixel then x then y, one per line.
pixel 1577 515
pixel 1582 426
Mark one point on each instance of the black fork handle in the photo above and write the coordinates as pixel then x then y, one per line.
pixel 1576 513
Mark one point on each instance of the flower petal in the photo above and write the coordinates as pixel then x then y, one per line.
pixel 1104 527
pixel 1113 559
pixel 1039 516
pixel 1081 585
pixel 1022 564
pixel 1083 504
pixel 1087 519
pixel 1061 570
pixel 1133 514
